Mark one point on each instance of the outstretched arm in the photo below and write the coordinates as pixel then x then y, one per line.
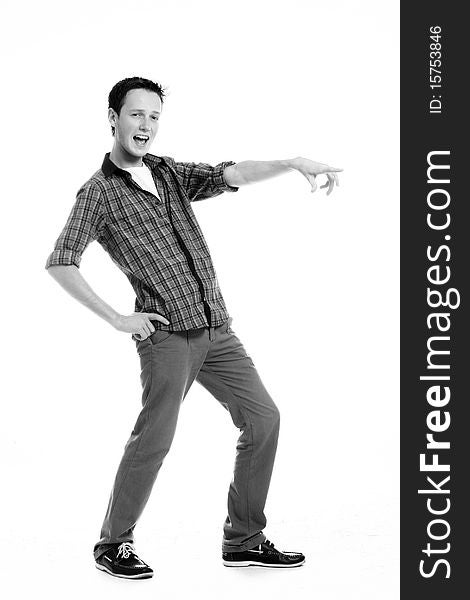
pixel 251 171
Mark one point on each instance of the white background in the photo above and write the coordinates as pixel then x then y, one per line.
pixel 311 283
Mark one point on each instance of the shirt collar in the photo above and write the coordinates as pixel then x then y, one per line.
pixel 109 168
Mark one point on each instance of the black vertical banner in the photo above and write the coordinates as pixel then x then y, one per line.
pixel 435 337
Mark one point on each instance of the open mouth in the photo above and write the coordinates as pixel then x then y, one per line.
pixel 141 140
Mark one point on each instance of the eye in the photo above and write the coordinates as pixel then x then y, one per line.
pixel 155 118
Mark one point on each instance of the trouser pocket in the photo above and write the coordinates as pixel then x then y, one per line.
pixel 156 338
pixel 159 336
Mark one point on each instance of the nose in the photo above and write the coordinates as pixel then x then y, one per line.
pixel 145 124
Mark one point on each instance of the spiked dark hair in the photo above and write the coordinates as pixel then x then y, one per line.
pixel 117 95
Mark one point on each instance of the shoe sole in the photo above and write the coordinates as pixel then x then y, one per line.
pixel 138 576
pixel 252 563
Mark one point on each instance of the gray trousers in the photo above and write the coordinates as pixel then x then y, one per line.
pixel 170 362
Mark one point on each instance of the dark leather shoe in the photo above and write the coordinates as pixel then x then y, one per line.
pixel 121 561
pixel 264 555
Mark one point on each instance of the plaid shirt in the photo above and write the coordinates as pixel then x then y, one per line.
pixel 157 244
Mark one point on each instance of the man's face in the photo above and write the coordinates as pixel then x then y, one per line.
pixel 137 124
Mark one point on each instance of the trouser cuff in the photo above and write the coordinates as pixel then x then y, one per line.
pixel 255 540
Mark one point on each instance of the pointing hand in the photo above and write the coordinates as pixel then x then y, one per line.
pixel 311 169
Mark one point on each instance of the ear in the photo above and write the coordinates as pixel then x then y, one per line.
pixel 112 116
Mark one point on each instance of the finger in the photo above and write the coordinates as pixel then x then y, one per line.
pixel 313 183
pixel 157 317
pixel 335 175
pixel 324 169
pixel 331 180
pixel 327 182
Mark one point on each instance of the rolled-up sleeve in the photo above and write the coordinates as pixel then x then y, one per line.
pixel 83 225
pixel 201 180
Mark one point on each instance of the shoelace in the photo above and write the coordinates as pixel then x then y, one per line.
pixel 275 551
pixel 126 549
pixel 271 548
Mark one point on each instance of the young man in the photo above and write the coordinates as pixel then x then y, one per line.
pixel 138 207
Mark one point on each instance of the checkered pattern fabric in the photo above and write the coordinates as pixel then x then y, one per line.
pixel 157 244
